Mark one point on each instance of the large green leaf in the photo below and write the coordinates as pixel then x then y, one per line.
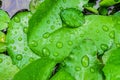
pixel 112 64
pixel 40 69
pixel 17 40
pixel 47 35
pixel 82 63
pixel 7 69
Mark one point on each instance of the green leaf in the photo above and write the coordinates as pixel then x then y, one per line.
pixel 4 19
pixel 109 2
pixel 16 39
pixel 111 68
pixel 47 36
pixel 7 69
pixel 82 63
pixel 40 69
pixel 62 75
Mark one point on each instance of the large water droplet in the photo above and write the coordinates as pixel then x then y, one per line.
pixel 1 60
pixel 104 47
pixel 45 52
pixel 72 17
pixel 46 35
pixel 105 28
pixel 85 61
pixel 59 44
pixel 19 57
pixel 112 34
pixel 17 19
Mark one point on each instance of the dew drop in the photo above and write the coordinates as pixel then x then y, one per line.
pixel 25 48
pixel 52 27
pixel 118 45
pixel 20 39
pixel 17 19
pixel 105 28
pixel 92 70
pixel 34 43
pixel 19 57
pixel 112 34
pixel 31 59
pixel 85 61
pixel 46 35
pixel 59 45
pixel 56 54
pixel 45 52
pixel 77 68
pixel 12 41
pixel 25 30
pixel 70 43
pixel 104 47
pixel 48 21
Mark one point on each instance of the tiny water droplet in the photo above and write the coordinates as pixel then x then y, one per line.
pixel 45 52
pixel 118 45
pixel 25 48
pixel 104 47
pixel 1 60
pixel 17 19
pixel 31 59
pixel 34 43
pixel 48 21
pixel 70 43
pixel 25 30
pixel 52 27
pixel 105 28
pixel 92 70
pixel 112 34
pixel 46 35
pixel 19 57
pixel 85 61
pixel 56 54
pixel 20 39
pixel 97 31
pixel 77 68
pixel 59 44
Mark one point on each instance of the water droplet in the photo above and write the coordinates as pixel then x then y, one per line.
pixel 14 47
pixel 1 60
pixel 45 52
pixel 19 57
pixel 31 59
pixel 92 70
pixel 70 43
pixel 97 31
pixel 64 1
pixel 48 21
pixel 46 35
pixel 112 34
pixel 77 68
pixel 104 47
pixel 17 19
pixel 25 30
pixel 105 28
pixel 56 54
pixel 34 43
pixel 20 39
pixel 59 44
pixel 52 27
pixel 118 45
pixel 85 61
pixel 25 48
